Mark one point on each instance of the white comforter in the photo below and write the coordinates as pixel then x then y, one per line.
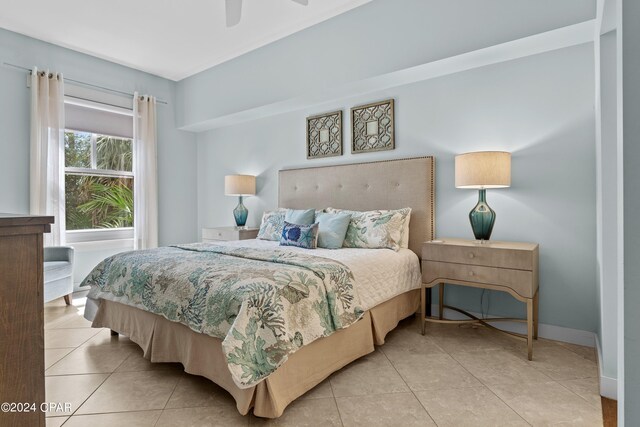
pixel 380 274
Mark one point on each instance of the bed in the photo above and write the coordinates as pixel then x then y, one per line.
pixel 385 282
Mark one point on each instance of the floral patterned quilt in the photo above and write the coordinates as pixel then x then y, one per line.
pixel 263 304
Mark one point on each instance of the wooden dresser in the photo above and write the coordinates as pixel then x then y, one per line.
pixel 21 317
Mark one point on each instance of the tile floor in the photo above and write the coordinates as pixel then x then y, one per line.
pixel 453 376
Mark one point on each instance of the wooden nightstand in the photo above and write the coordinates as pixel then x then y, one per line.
pixel 503 266
pixel 223 234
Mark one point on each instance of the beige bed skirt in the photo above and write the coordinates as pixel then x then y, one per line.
pixel 166 341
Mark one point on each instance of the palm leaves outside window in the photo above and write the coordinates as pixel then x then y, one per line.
pixel 98 181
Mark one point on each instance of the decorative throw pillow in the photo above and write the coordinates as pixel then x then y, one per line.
pixel 302 236
pixel 271 226
pixel 301 217
pixel 332 228
pixel 375 229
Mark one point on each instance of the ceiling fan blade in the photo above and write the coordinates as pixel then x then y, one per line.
pixel 302 2
pixel 233 9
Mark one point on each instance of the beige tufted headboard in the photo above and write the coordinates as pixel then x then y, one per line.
pixel 388 184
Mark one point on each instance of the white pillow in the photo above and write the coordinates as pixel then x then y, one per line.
pixel 404 240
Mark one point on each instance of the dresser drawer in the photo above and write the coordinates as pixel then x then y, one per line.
pixel 486 255
pixel 521 281
pixel 220 234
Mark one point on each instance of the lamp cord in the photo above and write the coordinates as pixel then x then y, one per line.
pixel 482 311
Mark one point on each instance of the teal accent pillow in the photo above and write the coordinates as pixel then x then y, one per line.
pixel 300 217
pixel 302 236
pixel 332 229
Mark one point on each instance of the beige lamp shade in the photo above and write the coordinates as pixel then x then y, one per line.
pixel 239 185
pixel 483 169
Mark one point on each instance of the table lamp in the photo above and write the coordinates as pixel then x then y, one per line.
pixel 481 170
pixel 240 185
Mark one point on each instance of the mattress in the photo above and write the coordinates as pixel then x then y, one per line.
pixel 380 274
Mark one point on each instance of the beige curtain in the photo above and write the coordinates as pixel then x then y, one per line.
pixel 47 151
pixel 145 208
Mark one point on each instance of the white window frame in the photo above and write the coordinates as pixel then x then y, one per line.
pixel 98 234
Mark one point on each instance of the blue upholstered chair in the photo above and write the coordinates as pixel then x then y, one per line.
pixel 58 273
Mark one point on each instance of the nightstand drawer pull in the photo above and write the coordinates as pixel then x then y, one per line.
pixel 471 273
pixel 471 255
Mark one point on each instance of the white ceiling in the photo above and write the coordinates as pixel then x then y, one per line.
pixel 170 38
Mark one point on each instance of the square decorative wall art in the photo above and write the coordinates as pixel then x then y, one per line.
pixel 324 135
pixel 372 127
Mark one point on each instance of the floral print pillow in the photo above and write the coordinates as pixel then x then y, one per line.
pixel 272 224
pixel 375 229
pixel 302 236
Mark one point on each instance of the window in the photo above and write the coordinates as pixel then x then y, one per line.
pixel 99 178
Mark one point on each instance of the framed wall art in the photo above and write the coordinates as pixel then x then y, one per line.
pixel 324 135
pixel 372 127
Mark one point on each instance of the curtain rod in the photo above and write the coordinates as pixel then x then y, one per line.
pixel 106 89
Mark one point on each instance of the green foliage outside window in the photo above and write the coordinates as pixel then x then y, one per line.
pixel 94 199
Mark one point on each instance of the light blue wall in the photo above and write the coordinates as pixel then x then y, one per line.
pixel 631 135
pixel 378 38
pixel 176 149
pixel 541 108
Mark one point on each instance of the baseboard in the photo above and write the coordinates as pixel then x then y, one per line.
pixel 551 332
pixel 608 385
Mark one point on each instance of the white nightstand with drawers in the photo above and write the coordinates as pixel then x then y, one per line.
pixel 503 266
pixel 225 234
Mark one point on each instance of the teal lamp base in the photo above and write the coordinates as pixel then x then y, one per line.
pixel 240 213
pixel 482 218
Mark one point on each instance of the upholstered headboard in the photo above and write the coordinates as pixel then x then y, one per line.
pixel 389 184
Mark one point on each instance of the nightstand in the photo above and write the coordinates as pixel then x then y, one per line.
pixel 503 266
pixel 223 234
